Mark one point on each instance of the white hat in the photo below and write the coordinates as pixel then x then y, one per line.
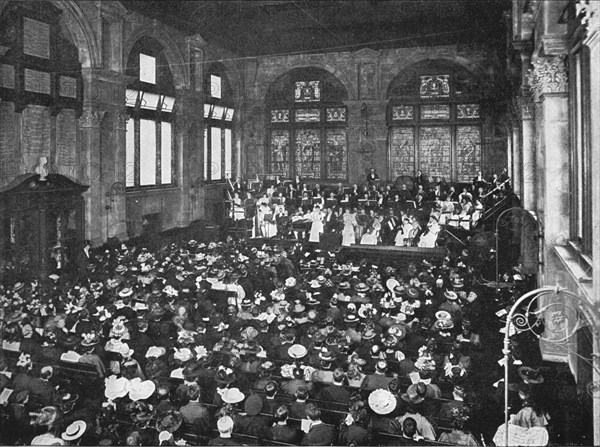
pixel 125 292
pixel 232 396
pixel 183 354
pixel 290 282
pixel 297 351
pixel 114 388
pixel 225 424
pixel 140 390
pixel 74 431
pixel 382 401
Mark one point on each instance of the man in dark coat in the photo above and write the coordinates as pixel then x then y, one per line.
pixel 335 392
pixel 194 413
pixel 319 433
pixel 281 431
pixel 253 423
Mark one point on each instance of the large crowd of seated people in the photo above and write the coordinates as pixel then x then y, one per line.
pixel 370 214
pixel 228 344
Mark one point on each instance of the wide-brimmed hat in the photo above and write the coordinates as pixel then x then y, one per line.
pixel 382 401
pixel 121 268
pixel 90 339
pixel 46 416
pixel 443 325
pixel 170 422
pixel 297 351
pixel 344 285
pixel 74 431
pixel 361 287
pixel 398 331
pixel 155 351
pixel 458 283
pixel 442 315
pixel 390 342
pixel 326 355
pixel 314 284
pixel 298 307
pixel 530 375
pixel 311 301
pixel 290 282
pixel 351 318
pixel 232 396
pixel 115 387
pixel 140 390
pixel 412 395
pixel 368 334
pixel 412 293
pixel 450 295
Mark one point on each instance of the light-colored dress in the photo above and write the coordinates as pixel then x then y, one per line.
pixel 317 226
pixel 348 234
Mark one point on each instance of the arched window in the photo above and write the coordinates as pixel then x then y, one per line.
pixel 150 101
pixel 307 126
pixel 219 159
pixel 434 119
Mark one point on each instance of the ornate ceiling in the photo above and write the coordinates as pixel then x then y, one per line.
pixel 252 27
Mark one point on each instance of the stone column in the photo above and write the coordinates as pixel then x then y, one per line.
pixel 517 160
pixel 589 11
pixel 529 175
pixel 89 172
pixel 548 80
pixel 115 191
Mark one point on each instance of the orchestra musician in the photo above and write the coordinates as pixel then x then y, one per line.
pixel 316 217
pixel 479 181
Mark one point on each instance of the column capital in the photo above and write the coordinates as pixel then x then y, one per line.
pixel 549 75
pixel 91 117
pixel 523 106
pixel 121 119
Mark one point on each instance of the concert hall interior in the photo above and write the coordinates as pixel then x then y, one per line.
pixel 300 222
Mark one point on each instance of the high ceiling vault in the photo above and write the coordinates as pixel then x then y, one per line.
pixel 254 27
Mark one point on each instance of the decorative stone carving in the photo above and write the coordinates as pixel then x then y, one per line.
pixel 523 107
pixel 91 117
pixel 549 75
pixel 121 120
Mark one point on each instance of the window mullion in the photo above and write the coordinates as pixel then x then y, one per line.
pixel 136 168
pixel 158 172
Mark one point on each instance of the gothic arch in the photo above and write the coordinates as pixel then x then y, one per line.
pixel 340 75
pixel 81 33
pixel 473 69
pixel 175 58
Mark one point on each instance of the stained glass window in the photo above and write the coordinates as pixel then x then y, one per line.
pixel 308 115
pixel 468 152
pixel 280 116
pixel 307 91
pixel 435 86
pixel 336 154
pixel 280 151
pixel 467 111
pixel 401 113
pixel 402 154
pixel 308 153
pixel 308 126
pixel 435 144
pixel 336 114
pixel 435 112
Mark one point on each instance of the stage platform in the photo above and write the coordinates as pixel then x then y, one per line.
pixel 382 255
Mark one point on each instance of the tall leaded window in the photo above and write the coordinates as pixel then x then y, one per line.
pixel 581 198
pixel 150 99
pixel 435 124
pixel 308 126
pixel 219 160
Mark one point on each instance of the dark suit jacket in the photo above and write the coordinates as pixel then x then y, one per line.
pixel 320 435
pixel 284 433
pixel 334 393
pixel 375 381
pixel 197 414
pixel 254 426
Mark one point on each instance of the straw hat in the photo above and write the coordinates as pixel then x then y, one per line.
pixel 232 396
pixel 382 401
pixel 140 390
pixel 74 431
pixel 297 351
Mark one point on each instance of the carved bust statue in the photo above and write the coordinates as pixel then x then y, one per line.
pixel 42 169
